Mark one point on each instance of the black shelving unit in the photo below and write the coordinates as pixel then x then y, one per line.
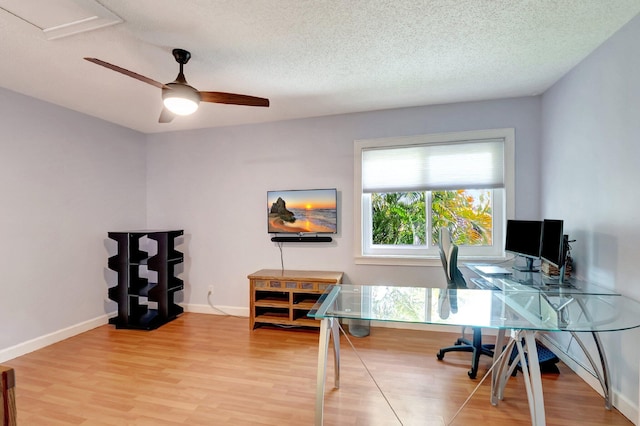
pixel 134 292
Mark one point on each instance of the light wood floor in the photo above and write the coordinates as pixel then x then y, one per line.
pixel 211 370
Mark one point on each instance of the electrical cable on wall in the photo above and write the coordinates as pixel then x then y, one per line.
pixel 280 243
pixel 220 310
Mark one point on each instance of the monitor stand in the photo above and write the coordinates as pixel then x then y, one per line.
pixel 561 281
pixel 528 268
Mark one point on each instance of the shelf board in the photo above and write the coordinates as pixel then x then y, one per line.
pixel 273 317
pixel 283 319
pixel 306 322
pixel 272 302
pixel 144 321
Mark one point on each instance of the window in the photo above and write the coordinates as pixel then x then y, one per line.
pixel 407 188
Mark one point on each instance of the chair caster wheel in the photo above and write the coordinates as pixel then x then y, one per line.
pixel 472 374
pixel 440 356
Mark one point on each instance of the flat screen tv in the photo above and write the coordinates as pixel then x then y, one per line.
pixel 524 238
pixel 308 211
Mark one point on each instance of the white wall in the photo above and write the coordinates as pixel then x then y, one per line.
pixel 213 183
pixel 65 180
pixel 590 176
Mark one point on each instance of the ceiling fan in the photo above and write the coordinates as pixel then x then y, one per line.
pixel 178 97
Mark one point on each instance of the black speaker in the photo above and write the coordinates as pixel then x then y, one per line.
pixel 302 239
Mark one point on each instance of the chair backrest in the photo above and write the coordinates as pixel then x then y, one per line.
pixel 449 258
pixel 444 244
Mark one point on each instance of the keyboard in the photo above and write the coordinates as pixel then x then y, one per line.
pixel 483 284
pixel 493 270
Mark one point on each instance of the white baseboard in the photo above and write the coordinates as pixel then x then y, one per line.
pixel 217 310
pixel 51 338
pixel 65 333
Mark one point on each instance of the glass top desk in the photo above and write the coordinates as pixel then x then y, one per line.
pixel 517 314
pixel 519 280
pixel 558 295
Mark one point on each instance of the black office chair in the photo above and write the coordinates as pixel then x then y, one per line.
pixel 455 280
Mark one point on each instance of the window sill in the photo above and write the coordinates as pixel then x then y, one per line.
pixel 398 261
pixel 421 261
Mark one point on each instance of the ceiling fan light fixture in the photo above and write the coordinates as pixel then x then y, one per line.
pixel 180 106
pixel 180 99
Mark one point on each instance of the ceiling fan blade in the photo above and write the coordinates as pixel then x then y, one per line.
pixel 234 99
pixel 127 72
pixel 166 116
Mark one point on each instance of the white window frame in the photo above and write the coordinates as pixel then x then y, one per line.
pixel 503 207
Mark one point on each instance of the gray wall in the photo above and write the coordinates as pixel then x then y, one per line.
pixel 590 175
pixel 65 180
pixel 214 182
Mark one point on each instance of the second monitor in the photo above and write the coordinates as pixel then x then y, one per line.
pixel 524 238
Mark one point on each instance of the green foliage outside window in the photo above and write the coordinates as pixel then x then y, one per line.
pixel 401 218
pixel 468 214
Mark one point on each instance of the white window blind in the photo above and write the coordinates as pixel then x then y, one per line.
pixel 431 167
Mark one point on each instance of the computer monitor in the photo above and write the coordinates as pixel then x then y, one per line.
pixel 554 244
pixel 524 238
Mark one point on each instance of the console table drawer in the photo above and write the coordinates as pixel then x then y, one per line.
pixel 291 285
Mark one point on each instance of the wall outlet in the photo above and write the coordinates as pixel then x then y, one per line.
pixel 210 290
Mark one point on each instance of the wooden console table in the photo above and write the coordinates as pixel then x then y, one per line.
pixel 283 298
pixel 7 396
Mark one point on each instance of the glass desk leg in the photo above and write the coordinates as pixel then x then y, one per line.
pixel 530 371
pixel 498 366
pixel 329 330
pixel 602 373
pixel 335 334
pixel 533 379
pixel 502 370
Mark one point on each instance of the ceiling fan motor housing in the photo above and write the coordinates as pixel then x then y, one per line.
pixel 182 56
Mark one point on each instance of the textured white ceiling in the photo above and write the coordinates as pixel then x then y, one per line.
pixel 309 57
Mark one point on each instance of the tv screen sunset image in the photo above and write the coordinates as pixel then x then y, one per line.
pixel 302 211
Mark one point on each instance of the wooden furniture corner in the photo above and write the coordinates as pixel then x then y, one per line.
pixel 284 297
pixel 8 396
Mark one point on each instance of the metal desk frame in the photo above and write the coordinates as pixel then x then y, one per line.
pixel 522 338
